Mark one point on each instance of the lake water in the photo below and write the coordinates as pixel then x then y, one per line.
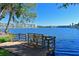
pixel 67 39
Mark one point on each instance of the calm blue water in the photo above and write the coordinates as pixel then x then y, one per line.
pixel 67 39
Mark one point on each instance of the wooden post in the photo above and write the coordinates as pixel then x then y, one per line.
pixel 28 38
pixel 48 43
pixel 43 41
pixel 36 39
pixel 25 37
pixel 54 46
pixel 19 36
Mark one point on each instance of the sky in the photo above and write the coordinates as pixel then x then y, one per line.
pixel 48 14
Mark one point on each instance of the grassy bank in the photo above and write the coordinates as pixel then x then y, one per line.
pixel 6 38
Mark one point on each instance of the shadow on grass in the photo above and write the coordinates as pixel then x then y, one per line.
pixel 4 52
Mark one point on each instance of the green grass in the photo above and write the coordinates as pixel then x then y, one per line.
pixel 4 52
pixel 6 38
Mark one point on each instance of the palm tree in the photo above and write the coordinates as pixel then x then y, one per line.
pixel 16 11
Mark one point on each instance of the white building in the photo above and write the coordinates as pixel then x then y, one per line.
pixel 18 25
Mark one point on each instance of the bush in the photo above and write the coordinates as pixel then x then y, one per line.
pixel 6 38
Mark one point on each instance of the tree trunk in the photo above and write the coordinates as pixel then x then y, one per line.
pixel 8 22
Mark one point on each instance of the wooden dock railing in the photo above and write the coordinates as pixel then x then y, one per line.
pixel 41 40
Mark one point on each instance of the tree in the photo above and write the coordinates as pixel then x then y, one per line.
pixel 16 11
pixel 66 5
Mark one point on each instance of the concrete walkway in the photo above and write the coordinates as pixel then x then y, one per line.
pixel 22 49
